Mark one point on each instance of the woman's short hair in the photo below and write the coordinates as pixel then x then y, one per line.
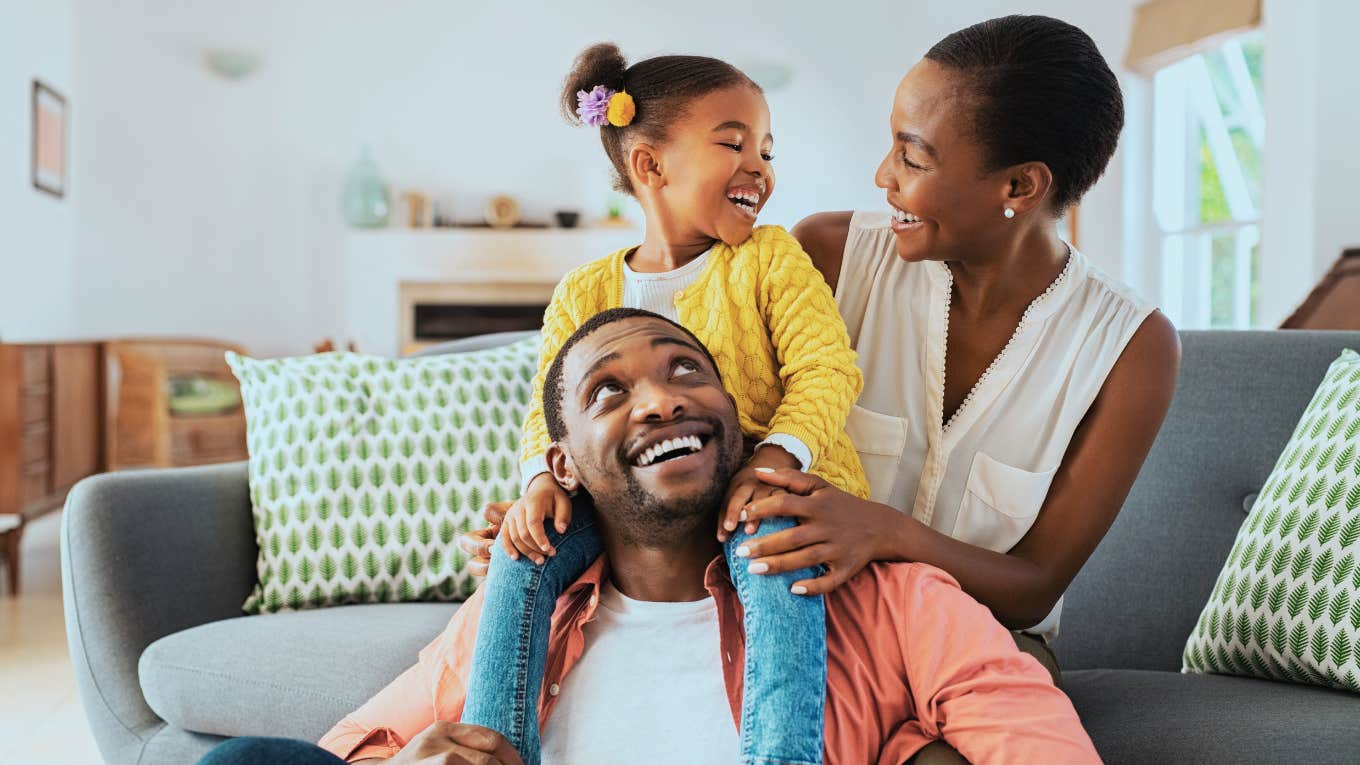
pixel 1043 92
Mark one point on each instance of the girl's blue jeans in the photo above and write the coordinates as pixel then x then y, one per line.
pixel 782 708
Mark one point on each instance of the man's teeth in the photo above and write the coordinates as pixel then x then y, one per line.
pixel 902 216
pixel 669 445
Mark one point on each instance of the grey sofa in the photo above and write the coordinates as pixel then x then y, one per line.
pixel 156 564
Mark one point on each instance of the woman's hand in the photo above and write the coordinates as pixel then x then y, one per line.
pixel 835 529
pixel 477 544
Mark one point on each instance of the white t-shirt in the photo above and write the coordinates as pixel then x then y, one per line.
pixel 656 292
pixel 647 688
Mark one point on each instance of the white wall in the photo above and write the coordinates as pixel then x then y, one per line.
pixel 209 207
pixel 1336 195
pixel 35 228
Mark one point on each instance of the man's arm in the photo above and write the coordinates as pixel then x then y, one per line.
pixel 432 690
pixel 972 687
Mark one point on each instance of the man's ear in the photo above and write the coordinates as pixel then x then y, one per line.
pixel 562 468
pixel 644 166
pixel 1027 186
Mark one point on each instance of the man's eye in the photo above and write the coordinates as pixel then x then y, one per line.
pixel 909 163
pixel 684 367
pixel 608 389
pixel 733 146
pixel 768 157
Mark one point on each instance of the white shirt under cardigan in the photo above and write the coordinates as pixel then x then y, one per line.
pixel 657 292
pixel 648 688
pixel 984 477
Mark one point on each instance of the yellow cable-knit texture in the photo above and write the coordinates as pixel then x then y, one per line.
pixel 769 319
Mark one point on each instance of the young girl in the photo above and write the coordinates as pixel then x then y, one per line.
pixel 689 138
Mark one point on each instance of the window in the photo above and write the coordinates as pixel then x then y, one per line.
pixel 1209 131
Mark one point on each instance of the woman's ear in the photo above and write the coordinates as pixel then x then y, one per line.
pixel 644 166
pixel 561 467
pixel 1028 186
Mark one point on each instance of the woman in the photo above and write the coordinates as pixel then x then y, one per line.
pixel 1012 391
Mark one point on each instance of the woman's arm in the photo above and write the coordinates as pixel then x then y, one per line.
pixel 1021 586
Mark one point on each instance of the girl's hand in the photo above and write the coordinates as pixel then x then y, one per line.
pixel 522 532
pixel 835 529
pixel 746 488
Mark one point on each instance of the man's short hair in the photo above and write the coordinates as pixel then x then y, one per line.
pixel 552 383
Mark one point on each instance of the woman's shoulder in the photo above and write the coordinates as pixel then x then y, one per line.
pixel 823 236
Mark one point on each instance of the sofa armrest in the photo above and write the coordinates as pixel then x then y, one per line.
pixel 145 554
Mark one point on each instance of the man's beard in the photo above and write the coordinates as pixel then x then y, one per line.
pixel 644 519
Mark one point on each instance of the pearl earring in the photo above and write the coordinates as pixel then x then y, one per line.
pixel 1009 213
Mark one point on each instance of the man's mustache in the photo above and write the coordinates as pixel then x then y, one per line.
pixel 714 423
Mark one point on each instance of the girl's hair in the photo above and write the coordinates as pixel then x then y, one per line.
pixel 1042 93
pixel 661 87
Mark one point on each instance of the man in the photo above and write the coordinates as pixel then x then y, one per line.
pixel 911 658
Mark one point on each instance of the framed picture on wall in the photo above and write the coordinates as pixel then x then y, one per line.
pixel 49 140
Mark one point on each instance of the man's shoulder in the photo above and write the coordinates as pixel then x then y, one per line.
pixel 905 585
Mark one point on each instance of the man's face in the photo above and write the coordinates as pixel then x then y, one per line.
pixel 651 433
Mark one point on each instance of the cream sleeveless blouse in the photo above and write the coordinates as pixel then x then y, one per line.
pixel 982 478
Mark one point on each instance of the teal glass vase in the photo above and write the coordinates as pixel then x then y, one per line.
pixel 366 202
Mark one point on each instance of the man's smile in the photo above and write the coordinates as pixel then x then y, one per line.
pixel 672 450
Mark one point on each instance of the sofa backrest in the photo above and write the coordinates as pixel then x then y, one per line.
pixel 1238 399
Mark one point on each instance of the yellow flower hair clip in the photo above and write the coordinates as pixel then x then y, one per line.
pixel 621 109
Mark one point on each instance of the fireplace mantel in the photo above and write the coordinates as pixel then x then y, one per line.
pixel 516 266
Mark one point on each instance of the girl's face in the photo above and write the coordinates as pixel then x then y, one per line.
pixel 716 162
pixel 943 202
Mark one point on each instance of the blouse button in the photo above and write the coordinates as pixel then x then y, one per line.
pixel 554 689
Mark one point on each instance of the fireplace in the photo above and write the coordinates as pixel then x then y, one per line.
pixel 408 288
pixel 434 313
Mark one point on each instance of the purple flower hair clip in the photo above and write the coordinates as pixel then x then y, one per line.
pixel 593 107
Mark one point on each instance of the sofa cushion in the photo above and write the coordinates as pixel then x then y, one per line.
pixel 1238 399
pixel 1138 716
pixel 363 470
pixel 292 674
pixel 1287 603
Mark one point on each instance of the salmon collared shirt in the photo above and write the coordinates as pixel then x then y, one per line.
pixel 911 658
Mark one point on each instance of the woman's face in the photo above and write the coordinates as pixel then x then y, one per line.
pixel 943 203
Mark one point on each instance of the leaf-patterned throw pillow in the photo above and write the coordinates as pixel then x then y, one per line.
pixel 363 470
pixel 1287 603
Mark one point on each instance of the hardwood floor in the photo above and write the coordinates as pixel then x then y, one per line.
pixel 41 720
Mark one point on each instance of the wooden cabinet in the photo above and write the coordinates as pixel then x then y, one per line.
pixel 50 422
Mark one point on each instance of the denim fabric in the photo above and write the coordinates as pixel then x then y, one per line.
pixel 785 675
pixel 512 637
pixel 783 706
pixel 275 751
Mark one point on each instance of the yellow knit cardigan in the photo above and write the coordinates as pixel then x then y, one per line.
pixel 769 319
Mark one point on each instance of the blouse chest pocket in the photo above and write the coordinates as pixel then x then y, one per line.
pixel 879 439
pixel 1000 503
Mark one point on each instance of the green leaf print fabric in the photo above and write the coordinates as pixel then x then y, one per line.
pixel 363 470
pixel 1287 603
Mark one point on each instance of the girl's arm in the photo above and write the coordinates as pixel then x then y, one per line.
pixel 1022 585
pixel 558 324
pixel 816 364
